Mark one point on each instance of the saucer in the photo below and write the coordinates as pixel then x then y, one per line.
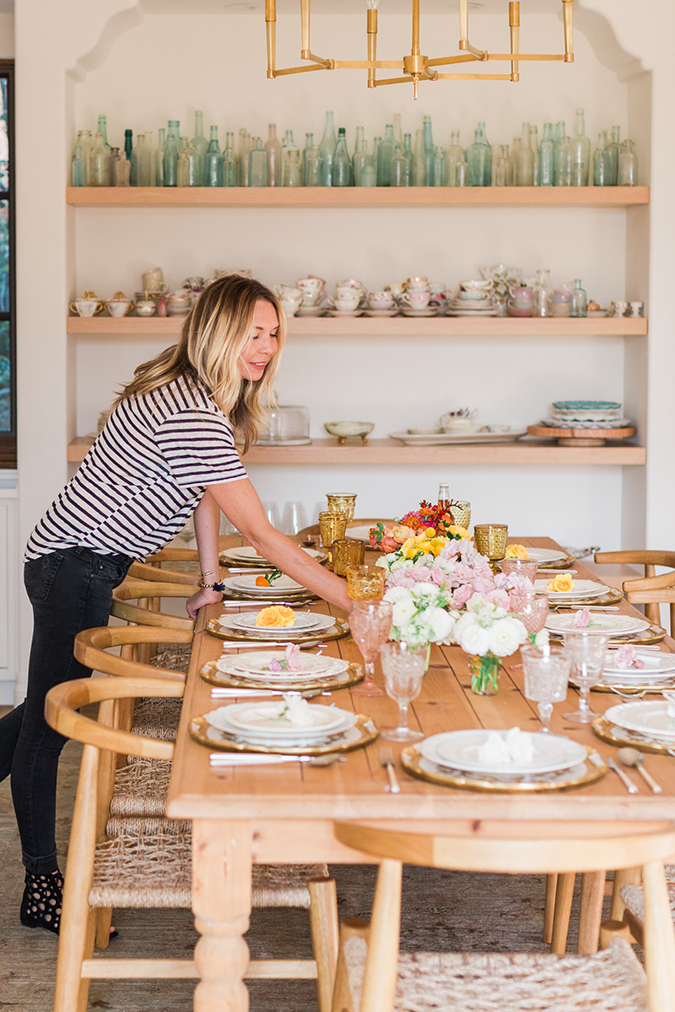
pixel 311 311
pixel 345 312
pixel 381 312
pixel 420 312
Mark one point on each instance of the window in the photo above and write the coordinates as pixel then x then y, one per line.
pixel 7 310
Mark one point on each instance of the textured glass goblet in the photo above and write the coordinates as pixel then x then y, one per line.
pixel 546 676
pixel 530 608
pixel 520 567
pixel 587 653
pixel 365 583
pixel 403 672
pixel 370 623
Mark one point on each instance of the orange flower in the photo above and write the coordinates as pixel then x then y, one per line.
pixel 276 615
pixel 561 582
pixel 517 552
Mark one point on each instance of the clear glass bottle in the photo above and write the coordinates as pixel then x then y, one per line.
pixel 85 143
pixel 480 166
pixel 145 166
pixel 273 149
pixel 199 141
pixel 128 144
pixel 311 163
pixel 133 161
pixel 292 168
pixel 628 164
pixel 602 164
pixel 243 153
pixel 429 148
pixel 564 162
pixel 439 167
pixel 122 170
pixel 77 167
pixel 358 140
pixel 513 158
pixel 398 168
pixel 502 166
pixel 579 297
pixel 287 147
pixel 543 290
pixel 259 164
pixel 368 172
pixel 581 152
pixel 385 153
pixel 213 161
pixel 546 157
pixel 183 167
pixel 419 161
pixel 171 152
pixel 99 163
pixel 453 155
pixel 342 163
pixel 159 157
pixel 189 164
pixel 408 155
pixel 102 129
pixel 525 160
pixel 360 153
pixel 398 129
pixel 613 150
pixel 230 162
pixel 114 159
pixel 534 144
pixel 327 149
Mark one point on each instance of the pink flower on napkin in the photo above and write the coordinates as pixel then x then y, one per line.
pixel 582 618
pixel 274 665
pixel 625 657
pixel 293 657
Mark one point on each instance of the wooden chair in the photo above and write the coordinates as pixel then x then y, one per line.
pixel 653 590
pixel 145 571
pixel 373 977
pixel 146 862
pixel 144 591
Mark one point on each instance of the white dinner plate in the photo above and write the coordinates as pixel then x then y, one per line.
pixel 544 555
pixel 282 585
pixel 323 622
pixel 247 553
pixel 361 532
pixel 653 664
pixel 607 625
pixel 645 717
pixel 446 438
pixel 305 621
pixel 258 664
pixel 266 717
pixel 458 750
pixel 581 588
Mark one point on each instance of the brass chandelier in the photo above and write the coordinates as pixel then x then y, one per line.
pixel 415 67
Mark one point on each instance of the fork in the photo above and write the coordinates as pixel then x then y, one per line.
pixel 387 760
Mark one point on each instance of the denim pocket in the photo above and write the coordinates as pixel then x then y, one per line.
pixel 112 570
pixel 39 575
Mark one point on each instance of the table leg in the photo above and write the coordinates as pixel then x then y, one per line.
pixel 221 901
pixel 590 911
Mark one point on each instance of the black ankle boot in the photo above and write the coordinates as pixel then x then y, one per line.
pixel 42 899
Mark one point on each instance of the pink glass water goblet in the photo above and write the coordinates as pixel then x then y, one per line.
pixel 370 624
pixel 520 567
pixel 531 609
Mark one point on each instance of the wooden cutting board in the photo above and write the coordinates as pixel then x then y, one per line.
pixel 581 437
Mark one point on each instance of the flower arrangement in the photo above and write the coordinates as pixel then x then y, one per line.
pixel 437 519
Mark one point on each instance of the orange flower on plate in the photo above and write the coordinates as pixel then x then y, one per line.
pixel 563 582
pixel 276 615
pixel 517 552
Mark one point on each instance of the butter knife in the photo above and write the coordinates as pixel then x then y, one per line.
pixel 630 786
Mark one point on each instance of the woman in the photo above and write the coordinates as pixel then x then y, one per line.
pixel 166 452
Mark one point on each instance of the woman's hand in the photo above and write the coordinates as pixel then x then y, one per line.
pixel 204 596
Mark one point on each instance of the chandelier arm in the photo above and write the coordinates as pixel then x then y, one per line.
pixel 527 56
pixel 400 80
pixel 328 64
pixel 568 18
pixel 371 30
pixel 271 33
pixel 305 18
pixel 474 77
pixel 366 64
pixel 514 32
pixel 300 70
pixel 442 60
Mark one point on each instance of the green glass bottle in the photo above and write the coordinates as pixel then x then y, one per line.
pixel 311 163
pixel 259 164
pixel 399 174
pixel 419 161
pixel 452 155
pixel 564 162
pixel 613 151
pixel 578 306
pixel 546 157
pixel 99 163
pixel 524 175
pixel 286 148
pixel 273 149
pixel 85 143
pixel 213 161
pixel 102 129
pixel 581 152
pixel 230 162
pixel 128 144
pixel 77 168
pixel 429 149
pixel 327 149
pixel 385 153
pixel 159 157
pixel 172 150
pixel 479 159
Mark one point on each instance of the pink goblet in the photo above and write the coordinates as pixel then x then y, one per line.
pixel 531 609
pixel 520 567
pixel 370 623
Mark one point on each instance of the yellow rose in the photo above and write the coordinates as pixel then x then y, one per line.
pixel 517 552
pixel 561 582
pixel 276 615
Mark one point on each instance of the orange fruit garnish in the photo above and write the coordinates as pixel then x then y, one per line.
pixel 262 581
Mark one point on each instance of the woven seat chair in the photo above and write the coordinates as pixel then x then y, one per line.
pixel 653 590
pixel 145 862
pixel 633 908
pixel 372 976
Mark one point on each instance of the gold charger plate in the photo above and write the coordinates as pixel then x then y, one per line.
pixel 341 629
pixel 263 564
pixel 652 635
pixel 613 597
pixel 211 674
pixel 417 766
pixel 302 597
pixel 363 733
pixel 565 563
pixel 632 688
pixel 618 736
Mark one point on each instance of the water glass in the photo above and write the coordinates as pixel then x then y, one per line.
pixel 546 676
pixel 530 608
pixel 365 583
pixel 520 567
pixel 370 624
pixel 272 513
pixel 586 652
pixel 332 527
pixel 347 552
pixel 342 502
pixel 403 669
pixel 294 518
pixel 491 540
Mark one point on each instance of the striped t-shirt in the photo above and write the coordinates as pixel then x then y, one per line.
pixel 143 477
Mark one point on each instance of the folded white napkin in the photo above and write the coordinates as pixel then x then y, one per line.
pixel 514 747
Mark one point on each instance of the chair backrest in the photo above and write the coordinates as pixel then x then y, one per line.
pixel 91 646
pixel 650 584
pixel 146 590
pixel 141 571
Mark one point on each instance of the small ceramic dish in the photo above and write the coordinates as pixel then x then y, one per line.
pixel 349 430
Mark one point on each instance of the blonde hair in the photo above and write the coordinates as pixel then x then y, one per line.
pixel 209 350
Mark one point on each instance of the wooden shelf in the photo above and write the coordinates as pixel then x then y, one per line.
pixel 384 196
pixel 364 326
pixel 390 451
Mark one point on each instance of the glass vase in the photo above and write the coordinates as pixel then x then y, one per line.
pixel 484 672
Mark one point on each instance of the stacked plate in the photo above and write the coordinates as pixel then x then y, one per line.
pixel 274 724
pixel 622 626
pixel 283 585
pixel 472 307
pixel 460 750
pixel 658 669
pixel 586 415
pixel 248 556
pixel 546 556
pixel 583 590
pixel 306 623
pixel 260 667
pixel 650 725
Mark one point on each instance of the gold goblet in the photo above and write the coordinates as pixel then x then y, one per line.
pixel 342 502
pixel 365 583
pixel 332 527
pixel 461 514
pixel 491 541
pixel 347 552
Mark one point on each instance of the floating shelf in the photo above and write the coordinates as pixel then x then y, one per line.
pixel 364 326
pixel 390 451
pixel 355 196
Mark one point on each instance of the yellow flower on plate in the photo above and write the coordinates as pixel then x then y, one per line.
pixel 276 615
pixel 517 552
pixel 563 582
pixel 461 531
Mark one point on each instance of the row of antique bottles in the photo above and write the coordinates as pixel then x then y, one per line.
pixel 559 160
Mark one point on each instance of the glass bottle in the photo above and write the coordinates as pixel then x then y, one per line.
pixel 513 158
pixel 453 155
pixel 360 154
pixel 183 167
pixel 114 159
pixel 487 180
pixel 502 166
pixel 293 168
pixel 102 129
pixel 628 164
pixel 602 165
pixel 159 157
pixel 376 143
pixel 419 161
pixel 77 168
pixel 477 159
pixel 534 144
pixel 133 161
pixel 439 167
pixel 429 149
pixel 273 149
pixel 525 160
pixel 443 496
pixel 312 162
pixel 398 174
pixel 199 142
pixel 385 153
pixel 259 164
pixel 122 170
pixel 581 152
pixel 358 141
pixel 546 157
pixel 579 298
pixel 564 162
pixel 128 144
pixel 145 162
pixel 85 142
pixel 398 130
pixel 327 149
pixel 213 161
pixel 408 155
pixel 342 163
pixel 557 133
pixel 243 153
pixel 171 152
pixel 365 167
pixel 287 147
pixel 230 162
pixel 99 163
pixel 613 150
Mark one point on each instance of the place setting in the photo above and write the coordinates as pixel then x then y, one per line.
pixel 278 622
pixel 621 629
pixel 246 555
pixel 648 725
pixel 281 670
pixel 564 592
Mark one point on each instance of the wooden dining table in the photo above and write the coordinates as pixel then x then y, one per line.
pixel 285 813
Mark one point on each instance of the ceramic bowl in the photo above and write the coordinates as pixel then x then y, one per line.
pixel 146 307
pixel 349 430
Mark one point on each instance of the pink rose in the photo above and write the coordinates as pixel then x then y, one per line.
pixel 462 595
pixel 498 597
pixel 293 657
pixel 582 618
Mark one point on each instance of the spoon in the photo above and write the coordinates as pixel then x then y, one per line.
pixel 631 757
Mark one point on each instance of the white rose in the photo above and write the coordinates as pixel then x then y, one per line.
pixel 403 611
pixel 395 594
pixel 465 619
pixel 505 636
pixel 473 639
pixel 541 639
pixel 401 564
pixel 425 590
pixel 441 623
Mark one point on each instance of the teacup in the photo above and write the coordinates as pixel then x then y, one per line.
pixel 311 284
pixel 472 294
pixel 345 304
pixel 119 305
pixel 351 283
pixel 179 303
pixel 314 298
pixel 288 292
pixel 636 308
pixel 380 300
pixel 417 299
pixel 397 289
pixel 619 308
pixel 481 284
pixel 153 280
pixel 343 292
pixel 86 305
pixel 417 283
pixel 291 306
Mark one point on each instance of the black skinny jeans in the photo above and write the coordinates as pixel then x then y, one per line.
pixel 70 590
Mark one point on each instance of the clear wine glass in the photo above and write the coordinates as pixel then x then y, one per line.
pixel 370 623
pixel 403 672
pixel 546 675
pixel 587 653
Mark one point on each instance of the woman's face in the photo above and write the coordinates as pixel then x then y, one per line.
pixel 263 344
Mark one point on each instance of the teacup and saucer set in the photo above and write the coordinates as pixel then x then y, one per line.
pixel 350 297
pixel 314 296
pixel 291 298
pixel 474 298
pixel 381 304
pixel 415 301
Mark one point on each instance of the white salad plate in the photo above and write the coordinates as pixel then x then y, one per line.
pixel 266 593
pixel 544 555
pixel 262 724
pixel 581 588
pixel 459 750
pixel 282 585
pixel 606 625
pixel 248 554
pixel 258 664
pixel 304 622
pixel 446 438
pixel 650 718
pixel 653 664
pixel 429 311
